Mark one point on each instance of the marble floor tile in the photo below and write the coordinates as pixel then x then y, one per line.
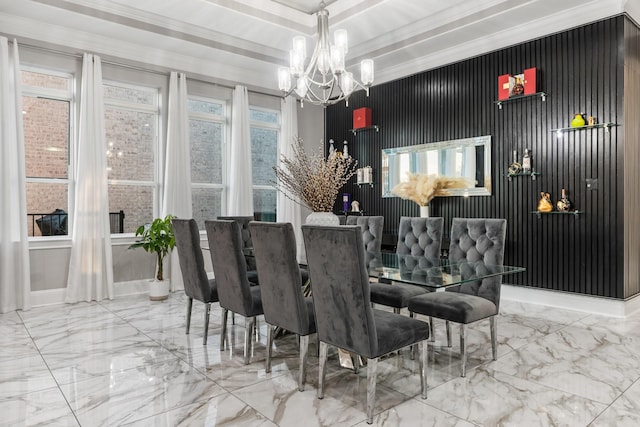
pixel 416 414
pixel 281 402
pixel 489 398
pixel 624 412
pixel 223 410
pixel 39 408
pixel 128 396
pixel 24 375
pixel 590 362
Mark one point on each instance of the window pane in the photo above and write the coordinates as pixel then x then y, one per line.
pixel 30 78
pixel 129 94
pixel 263 116
pixel 207 204
pixel 136 202
pixel 264 155
pixel 42 199
pixel 264 204
pixel 46 137
pixel 199 106
pixel 130 138
pixel 206 151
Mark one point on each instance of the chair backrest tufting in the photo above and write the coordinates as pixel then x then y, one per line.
pixel 194 275
pixel 340 287
pixel 371 227
pixel 479 239
pixel 247 243
pixel 420 236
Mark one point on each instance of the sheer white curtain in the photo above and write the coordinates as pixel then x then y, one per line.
pixel 288 210
pixel 91 266
pixel 240 178
pixel 15 282
pixel 177 172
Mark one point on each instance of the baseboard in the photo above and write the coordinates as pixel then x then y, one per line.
pixel 585 303
pixel 56 296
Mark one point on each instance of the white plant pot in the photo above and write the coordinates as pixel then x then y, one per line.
pixel 424 211
pixel 159 290
pixel 323 218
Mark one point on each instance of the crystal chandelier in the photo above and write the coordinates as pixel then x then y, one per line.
pixel 325 80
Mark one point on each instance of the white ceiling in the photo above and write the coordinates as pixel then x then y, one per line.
pixel 244 41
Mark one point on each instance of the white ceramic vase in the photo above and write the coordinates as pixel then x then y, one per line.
pixel 323 218
pixel 159 289
pixel 424 211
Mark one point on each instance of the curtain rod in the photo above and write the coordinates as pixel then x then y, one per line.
pixel 139 68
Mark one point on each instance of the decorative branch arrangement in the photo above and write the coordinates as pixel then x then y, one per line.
pixel 312 180
pixel 422 188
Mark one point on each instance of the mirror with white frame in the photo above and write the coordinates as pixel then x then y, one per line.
pixel 469 158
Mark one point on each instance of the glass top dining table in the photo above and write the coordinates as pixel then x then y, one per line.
pixel 431 273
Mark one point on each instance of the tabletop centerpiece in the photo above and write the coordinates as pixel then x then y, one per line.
pixel 422 188
pixel 314 181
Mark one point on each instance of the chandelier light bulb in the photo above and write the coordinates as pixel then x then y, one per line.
pixel 340 39
pixel 337 59
pixel 366 71
pixel 284 79
pixel 347 83
pixel 301 87
pixel 324 61
pixel 300 46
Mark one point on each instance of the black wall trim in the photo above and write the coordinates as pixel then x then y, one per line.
pixel 582 70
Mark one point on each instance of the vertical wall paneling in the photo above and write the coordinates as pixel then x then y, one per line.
pixel 594 69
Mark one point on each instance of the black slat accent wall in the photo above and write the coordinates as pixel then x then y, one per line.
pixel 582 70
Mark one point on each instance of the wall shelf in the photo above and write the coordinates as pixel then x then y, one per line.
pixel 574 213
pixel 532 174
pixel 542 95
pixel 355 131
pixel 364 184
pixel 604 126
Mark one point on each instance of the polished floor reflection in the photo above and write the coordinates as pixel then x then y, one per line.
pixel 129 362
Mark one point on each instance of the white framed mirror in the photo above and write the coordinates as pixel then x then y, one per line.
pixel 469 158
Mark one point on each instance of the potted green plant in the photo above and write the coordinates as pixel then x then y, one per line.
pixel 157 237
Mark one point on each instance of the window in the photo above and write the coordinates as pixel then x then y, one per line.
pixel 265 130
pixel 47 106
pixel 207 133
pixel 131 129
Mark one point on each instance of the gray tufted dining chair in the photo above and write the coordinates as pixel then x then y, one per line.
pixel 344 316
pixel 234 290
pixel 418 237
pixel 281 288
pixel 471 240
pixel 196 283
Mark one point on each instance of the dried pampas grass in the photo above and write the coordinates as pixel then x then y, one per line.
pixel 422 188
pixel 312 180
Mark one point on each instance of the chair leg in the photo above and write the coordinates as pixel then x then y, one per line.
pixel 233 318
pixel 223 333
pixel 423 349
pixel 372 373
pixel 448 326
pixel 322 368
pixel 494 336
pixel 463 349
pixel 396 310
pixel 207 314
pixel 432 335
pixel 270 333
pixel 189 305
pixel 411 355
pixel 304 351
pixel 250 324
